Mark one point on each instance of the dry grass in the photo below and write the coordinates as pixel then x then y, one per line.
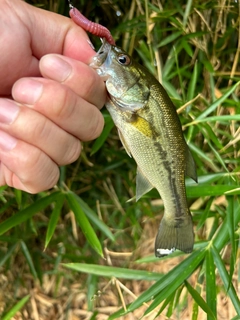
pixel 65 297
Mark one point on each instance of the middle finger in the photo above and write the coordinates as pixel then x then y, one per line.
pixel 35 129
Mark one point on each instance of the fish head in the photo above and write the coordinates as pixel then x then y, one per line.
pixel 124 79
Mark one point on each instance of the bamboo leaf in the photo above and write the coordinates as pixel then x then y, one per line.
pixel 28 212
pixel 94 218
pixel 84 223
pixel 220 119
pixel 7 255
pixel 54 219
pixel 205 190
pixel 166 285
pixel 211 292
pixel 221 237
pixel 92 282
pixel 196 296
pixel 179 274
pixel 170 38
pixel 226 279
pixel 109 124
pixel 106 271
pixel 29 259
pixel 193 81
pixel 218 102
pixel 231 230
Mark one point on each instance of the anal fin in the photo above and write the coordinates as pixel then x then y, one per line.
pixel 142 185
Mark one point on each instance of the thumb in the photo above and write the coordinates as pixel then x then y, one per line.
pixel 53 33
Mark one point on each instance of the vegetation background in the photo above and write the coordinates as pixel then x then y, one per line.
pixel 81 251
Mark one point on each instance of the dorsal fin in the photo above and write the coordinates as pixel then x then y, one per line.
pixel 190 165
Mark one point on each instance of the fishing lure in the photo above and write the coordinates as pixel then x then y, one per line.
pixel 92 27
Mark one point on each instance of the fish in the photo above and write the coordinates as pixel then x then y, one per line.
pixel 150 131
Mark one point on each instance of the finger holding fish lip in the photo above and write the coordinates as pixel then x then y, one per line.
pixel 77 76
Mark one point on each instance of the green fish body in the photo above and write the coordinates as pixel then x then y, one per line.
pixel 151 133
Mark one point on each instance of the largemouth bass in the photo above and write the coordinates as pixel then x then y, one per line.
pixel 151 133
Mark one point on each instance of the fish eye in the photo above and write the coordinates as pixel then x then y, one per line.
pixel 124 59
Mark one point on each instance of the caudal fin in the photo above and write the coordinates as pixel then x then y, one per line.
pixel 174 235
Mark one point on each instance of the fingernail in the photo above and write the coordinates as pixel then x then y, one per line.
pixel 55 68
pixel 8 111
pixel 27 90
pixel 7 142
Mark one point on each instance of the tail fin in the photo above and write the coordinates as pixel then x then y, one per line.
pixel 174 235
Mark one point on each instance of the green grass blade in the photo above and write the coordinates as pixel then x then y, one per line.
pixel 170 38
pixel 94 218
pixel 221 238
pixel 193 81
pixel 18 196
pixel 211 292
pixel 226 279
pixel 54 219
pixel 174 279
pixel 109 124
pixel 222 119
pixel 210 190
pixel 202 155
pixel 92 289
pixel 169 301
pixel 187 12
pixel 7 255
pixel 106 271
pixel 231 230
pixel 167 284
pixel 28 212
pixel 29 259
pixel 201 303
pixel 218 102
pixel 16 308
pixel 84 223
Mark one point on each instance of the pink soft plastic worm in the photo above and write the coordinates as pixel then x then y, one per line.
pixel 92 27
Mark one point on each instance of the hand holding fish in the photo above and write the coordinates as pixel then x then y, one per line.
pixel 46 95
pixel 150 131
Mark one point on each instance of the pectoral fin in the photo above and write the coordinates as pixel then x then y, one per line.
pixel 124 143
pixel 142 185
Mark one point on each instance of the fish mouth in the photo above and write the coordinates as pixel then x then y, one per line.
pixel 101 60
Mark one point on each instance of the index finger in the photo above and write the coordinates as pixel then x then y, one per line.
pixel 53 33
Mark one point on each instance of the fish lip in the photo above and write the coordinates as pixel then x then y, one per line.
pixel 101 56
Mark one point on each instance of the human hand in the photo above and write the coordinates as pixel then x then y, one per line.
pixel 49 97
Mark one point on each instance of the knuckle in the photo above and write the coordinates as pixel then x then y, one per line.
pixel 73 153
pixel 93 88
pixel 39 172
pixel 95 126
pixel 63 105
